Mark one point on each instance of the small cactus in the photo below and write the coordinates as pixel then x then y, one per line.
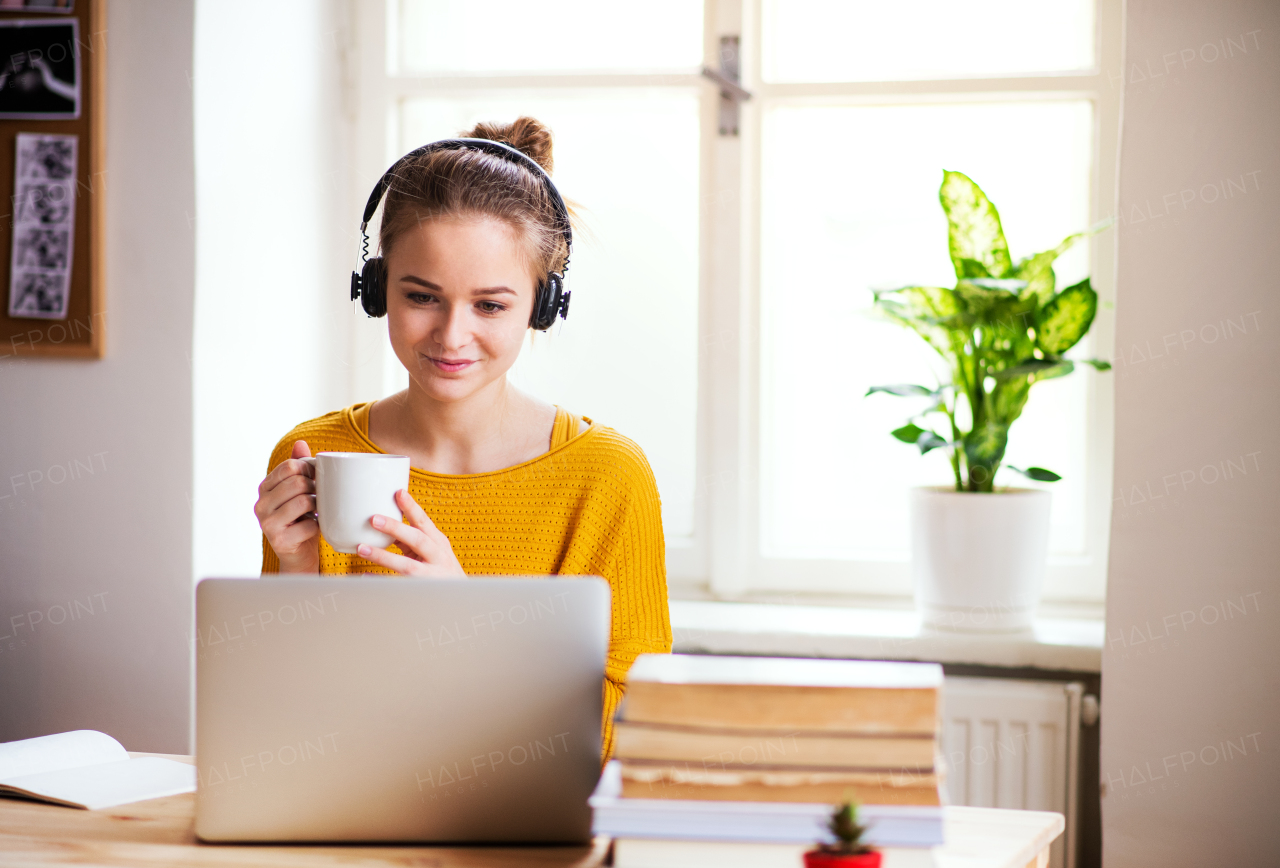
pixel 843 823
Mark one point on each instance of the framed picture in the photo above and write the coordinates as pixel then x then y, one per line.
pixel 53 174
pixel 39 69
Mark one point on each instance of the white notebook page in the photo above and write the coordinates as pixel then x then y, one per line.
pixel 65 750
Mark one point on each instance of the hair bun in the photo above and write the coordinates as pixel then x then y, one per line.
pixel 525 134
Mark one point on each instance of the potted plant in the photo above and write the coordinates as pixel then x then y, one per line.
pixel 978 550
pixel 848 851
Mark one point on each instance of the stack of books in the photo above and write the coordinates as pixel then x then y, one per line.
pixel 741 749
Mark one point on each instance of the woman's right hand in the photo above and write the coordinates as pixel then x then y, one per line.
pixel 286 512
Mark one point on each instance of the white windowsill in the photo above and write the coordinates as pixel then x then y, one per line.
pixel 877 634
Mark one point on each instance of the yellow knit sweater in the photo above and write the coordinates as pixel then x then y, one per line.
pixel 588 506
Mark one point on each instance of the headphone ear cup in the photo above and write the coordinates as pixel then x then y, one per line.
pixel 373 287
pixel 547 303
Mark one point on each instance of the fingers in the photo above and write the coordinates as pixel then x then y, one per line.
pixel 294 511
pixel 410 539
pixel 415 513
pixel 292 537
pixel 403 565
pixel 273 500
pixel 420 537
pixel 292 531
pixel 286 503
pixel 287 469
pixel 447 567
pixel 427 551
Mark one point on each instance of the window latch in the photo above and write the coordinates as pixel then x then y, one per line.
pixel 731 92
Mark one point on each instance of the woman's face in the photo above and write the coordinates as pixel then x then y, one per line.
pixel 459 296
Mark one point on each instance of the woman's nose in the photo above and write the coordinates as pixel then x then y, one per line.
pixel 455 330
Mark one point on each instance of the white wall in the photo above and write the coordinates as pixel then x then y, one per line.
pixel 117 541
pixel 275 243
pixel 1191 684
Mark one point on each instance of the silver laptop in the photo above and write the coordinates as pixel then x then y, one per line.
pixel 392 709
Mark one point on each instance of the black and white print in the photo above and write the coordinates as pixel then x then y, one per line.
pixel 45 249
pixel 40 69
pixel 46 157
pixel 44 202
pixel 41 295
pixel 44 210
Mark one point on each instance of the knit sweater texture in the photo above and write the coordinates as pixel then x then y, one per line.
pixel 589 506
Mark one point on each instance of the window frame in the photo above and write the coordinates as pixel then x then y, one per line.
pixel 722 558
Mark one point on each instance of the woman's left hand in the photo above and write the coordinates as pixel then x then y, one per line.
pixel 427 551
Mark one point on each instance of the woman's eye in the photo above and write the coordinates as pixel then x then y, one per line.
pixel 421 297
pixel 491 307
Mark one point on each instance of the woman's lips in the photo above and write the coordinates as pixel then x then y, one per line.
pixel 451 365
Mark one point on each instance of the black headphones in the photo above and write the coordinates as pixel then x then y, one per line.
pixel 370 283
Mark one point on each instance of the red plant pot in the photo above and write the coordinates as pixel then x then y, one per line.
pixel 824 859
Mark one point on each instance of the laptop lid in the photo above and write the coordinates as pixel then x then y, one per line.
pixel 393 709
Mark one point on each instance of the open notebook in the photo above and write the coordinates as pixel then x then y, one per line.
pixel 87 769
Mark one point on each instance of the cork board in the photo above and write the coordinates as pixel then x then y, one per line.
pixel 80 333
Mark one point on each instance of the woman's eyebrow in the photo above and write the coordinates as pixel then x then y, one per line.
pixel 492 290
pixel 409 278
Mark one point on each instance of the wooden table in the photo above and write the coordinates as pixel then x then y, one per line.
pixel 160 832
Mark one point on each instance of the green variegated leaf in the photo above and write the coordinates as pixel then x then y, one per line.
pixel 1040 286
pixel 1097 364
pixel 1037 473
pixel 976 300
pixel 1044 369
pixel 986 443
pixel 1062 322
pixel 908 433
pixel 984 305
pixel 1006 284
pixel 933 302
pixel 974 234
pixel 922 437
pixel 1037 269
pixel 1061 369
pixel 902 390
pixel 930 311
pixel 1008 398
pixel 983 449
pixel 969 269
pixel 930 441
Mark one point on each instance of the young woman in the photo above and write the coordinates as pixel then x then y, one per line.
pixel 501 482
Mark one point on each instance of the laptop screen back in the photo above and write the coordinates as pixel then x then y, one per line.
pixel 391 709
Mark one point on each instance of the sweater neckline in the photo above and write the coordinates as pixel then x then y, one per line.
pixel 349 419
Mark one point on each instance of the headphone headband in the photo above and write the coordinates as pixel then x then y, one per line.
pixel 489 146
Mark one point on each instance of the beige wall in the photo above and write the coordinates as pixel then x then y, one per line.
pixel 1191 671
pixel 112 545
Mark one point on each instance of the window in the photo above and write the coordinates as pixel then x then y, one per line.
pixel 722 285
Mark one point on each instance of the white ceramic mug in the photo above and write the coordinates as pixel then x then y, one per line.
pixel 351 488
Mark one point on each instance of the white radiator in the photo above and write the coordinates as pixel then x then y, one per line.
pixel 1014 744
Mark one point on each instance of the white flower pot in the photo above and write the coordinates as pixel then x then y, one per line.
pixel 978 560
